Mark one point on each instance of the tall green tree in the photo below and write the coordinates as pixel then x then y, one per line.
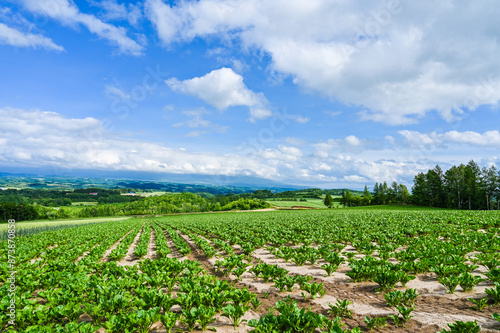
pixel 455 186
pixel 328 200
pixel 348 199
pixel 420 190
pixel 404 194
pixel 489 183
pixel 472 176
pixel 435 179
pixel 367 197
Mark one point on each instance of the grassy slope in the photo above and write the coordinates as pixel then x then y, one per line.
pixel 316 203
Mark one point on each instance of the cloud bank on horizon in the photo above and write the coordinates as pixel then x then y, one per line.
pixel 323 93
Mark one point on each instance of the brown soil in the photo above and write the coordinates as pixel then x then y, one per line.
pixel 131 259
pixel 152 247
pixel 114 246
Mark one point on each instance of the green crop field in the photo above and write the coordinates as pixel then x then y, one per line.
pixel 311 202
pixel 337 270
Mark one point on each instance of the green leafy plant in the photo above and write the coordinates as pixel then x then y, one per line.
pixel 142 320
pixel 205 316
pixel 469 281
pixel 405 312
pixel 190 318
pixel 169 319
pixel 494 275
pixel 404 278
pixel 256 303
pixel 387 280
pixel 377 322
pixel 235 313
pixel 480 303
pixel 396 319
pixel 393 298
pixel 330 268
pixel 494 293
pixel 238 272
pixel 462 327
pixel 340 309
pixel 314 289
pixel 450 282
pixel 409 297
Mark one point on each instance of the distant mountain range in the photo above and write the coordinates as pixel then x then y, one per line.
pixel 238 183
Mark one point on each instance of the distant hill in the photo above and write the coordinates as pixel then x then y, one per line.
pixel 143 181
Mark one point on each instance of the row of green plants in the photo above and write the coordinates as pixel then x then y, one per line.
pixel 72 280
pixel 450 245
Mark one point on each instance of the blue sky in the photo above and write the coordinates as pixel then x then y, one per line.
pixel 317 92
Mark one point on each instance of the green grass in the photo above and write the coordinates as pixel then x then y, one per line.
pixel 394 207
pixel 45 223
pixel 314 203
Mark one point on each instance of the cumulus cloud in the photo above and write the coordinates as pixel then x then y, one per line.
pixel 223 88
pixel 34 138
pixel 38 138
pixel 396 59
pixel 68 13
pixel 14 37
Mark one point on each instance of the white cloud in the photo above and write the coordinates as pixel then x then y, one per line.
pixel 295 141
pixel 37 138
pixel 115 92
pixel 196 121
pixel 68 13
pixel 14 37
pixel 468 138
pixel 34 138
pixel 116 11
pixel 298 118
pixel 398 60
pixel 351 143
pixel 223 88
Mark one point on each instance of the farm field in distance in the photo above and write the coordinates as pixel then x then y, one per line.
pixel 311 202
pixel 404 270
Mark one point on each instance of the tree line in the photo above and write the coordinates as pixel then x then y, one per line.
pixel 164 204
pixel 466 186
pixel 462 187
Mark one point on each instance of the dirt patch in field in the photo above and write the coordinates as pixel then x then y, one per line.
pixel 152 247
pixel 174 253
pixel 131 259
pixel 114 246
